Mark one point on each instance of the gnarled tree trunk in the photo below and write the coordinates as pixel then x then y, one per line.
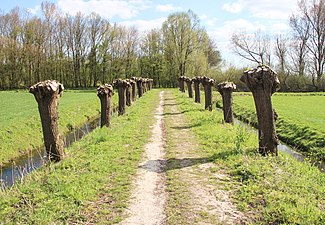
pixel 104 93
pixel 140 86
pixel 196 81
pixel 189 87
pixel 133 84
pixel 181 80
pixel 208 84
pixel 47 94
pixel 121 89
pixel 128 94
pixel 263 82
pixel 225 89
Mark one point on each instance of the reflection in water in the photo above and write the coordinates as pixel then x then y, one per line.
pixel 18 168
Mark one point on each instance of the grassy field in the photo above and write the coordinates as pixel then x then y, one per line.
pixel 92 184
pixel 301 121
pixel 270 190
pixel 20 126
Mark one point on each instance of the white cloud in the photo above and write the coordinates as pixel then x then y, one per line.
pixel 34 10
pixel 124 9
pixel 144 25
pixel 167 8
pixel 266 9
pixel 234 7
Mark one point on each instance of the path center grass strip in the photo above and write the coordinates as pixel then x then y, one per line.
pixel 269 190
pixel 93 183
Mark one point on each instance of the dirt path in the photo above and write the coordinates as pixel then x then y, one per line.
pixel 193 179
pixel 149 197
pixel 195 195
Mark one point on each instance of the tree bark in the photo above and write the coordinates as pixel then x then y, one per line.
pixel 207 84
pixel 196 81
pixel 133 84
pixel 140 86
pixel 121 88
pixel 128 94
pixel 104 93
pixel 225 89
pixel 263 82
pixel 189 87
pixel 47 94
pixel 181 83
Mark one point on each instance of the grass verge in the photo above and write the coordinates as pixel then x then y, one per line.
pixel 270 190
pixel 93 183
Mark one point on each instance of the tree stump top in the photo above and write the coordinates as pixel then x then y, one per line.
pixel 120 83
pixel 105 89
pixel 187 79
pixel 181 78
pixel 226 85
pixel 197 79
pixel 207 80
pixel 261 77
pixel 46 88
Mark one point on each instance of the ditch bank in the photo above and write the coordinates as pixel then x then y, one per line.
pixel 302 144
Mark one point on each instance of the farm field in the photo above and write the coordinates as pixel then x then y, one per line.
pixel 93 184
pixel 20 126
pixel 301 119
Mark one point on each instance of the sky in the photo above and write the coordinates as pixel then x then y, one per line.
pixel 219 17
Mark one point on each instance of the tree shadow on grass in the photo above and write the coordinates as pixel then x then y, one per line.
pixel 164 165
pixel 187 126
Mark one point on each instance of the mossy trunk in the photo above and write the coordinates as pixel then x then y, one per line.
pixel 47 94
pixel 263 82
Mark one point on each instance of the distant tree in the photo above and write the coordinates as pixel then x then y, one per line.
pixel 253 47
pixel 309 25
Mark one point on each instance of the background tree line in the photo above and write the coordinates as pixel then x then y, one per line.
pixel 86 50
pixel 298 56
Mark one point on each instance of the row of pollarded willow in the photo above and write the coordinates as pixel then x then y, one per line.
pixel 263 82
pixel 47 94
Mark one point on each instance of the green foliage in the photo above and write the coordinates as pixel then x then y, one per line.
pixel 270 190
pixel 20 125
pixel 93 183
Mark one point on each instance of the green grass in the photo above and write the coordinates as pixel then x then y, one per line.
pixel 300 123
pixel 20 126
pixel 93 183
pixel 270 190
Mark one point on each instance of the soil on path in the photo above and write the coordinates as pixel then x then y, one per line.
pixel 149 197
pixel 195 195
pixel 195 181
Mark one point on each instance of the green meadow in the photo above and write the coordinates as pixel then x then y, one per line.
pixel 20 124
pixel 300 123
pixel 92 184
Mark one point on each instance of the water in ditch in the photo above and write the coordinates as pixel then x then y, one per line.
pixel 20 167
pixel 285 148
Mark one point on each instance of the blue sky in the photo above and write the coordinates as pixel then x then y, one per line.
pixel 220 18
